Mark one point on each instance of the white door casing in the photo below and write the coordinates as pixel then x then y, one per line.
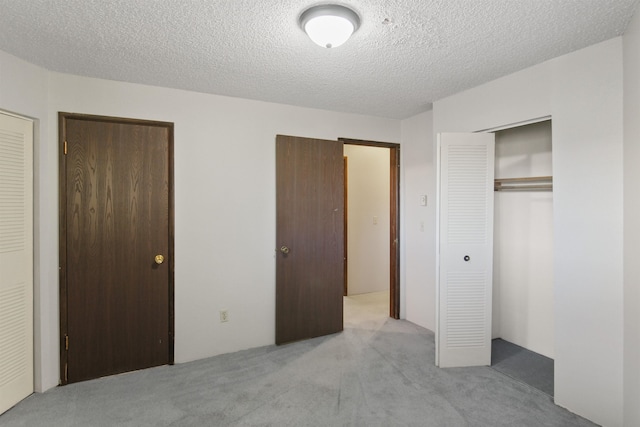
pixel 16 260
pixel 465 249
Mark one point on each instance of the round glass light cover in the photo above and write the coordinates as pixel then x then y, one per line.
pixel 329 31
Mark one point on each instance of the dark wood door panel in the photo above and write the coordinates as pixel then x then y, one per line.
pixel 310 224
pixel 117 219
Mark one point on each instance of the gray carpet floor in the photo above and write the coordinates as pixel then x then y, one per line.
pixel 522 365
pixel 378 372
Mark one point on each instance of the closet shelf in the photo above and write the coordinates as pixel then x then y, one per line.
pixel 533 183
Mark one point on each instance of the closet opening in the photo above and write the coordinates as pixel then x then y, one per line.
pixel 523 315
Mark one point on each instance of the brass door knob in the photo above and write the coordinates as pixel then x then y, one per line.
pixel 159 259
pixel 284 250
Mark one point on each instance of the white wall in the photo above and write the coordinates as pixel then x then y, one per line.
pixel 23 90
pixel 224 200
pixel 582 91
pixel 632 222
pixel 523 242
pixel 418 222
pixel 222 141
pixel 368 218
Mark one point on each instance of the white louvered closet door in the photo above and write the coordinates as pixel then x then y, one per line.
pixel 466 166
pixel 16 260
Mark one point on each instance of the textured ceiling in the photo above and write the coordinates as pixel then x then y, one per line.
pixel 406 54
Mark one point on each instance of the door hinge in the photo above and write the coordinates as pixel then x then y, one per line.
pixel 65 147
pixel 66 342
pixel 66 372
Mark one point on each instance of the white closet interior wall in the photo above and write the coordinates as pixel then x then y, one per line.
pixel 523 242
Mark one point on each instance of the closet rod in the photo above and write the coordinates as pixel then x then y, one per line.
pixel 531 183
pixel 525 179
pixel 547 187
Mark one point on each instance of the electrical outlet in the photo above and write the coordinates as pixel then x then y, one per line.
pixel 224 316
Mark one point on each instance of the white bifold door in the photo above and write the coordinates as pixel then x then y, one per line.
pixel 16 260
pixel 465 249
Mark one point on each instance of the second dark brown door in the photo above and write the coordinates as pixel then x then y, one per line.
pixel 310 238
pixel 116 253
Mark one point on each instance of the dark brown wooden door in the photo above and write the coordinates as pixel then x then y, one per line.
pixel 115 218
pixel 309 238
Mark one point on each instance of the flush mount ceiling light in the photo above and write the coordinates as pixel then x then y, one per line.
pixel 329 25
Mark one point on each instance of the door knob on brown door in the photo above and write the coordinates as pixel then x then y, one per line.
pixel 284 250
pixel 159 259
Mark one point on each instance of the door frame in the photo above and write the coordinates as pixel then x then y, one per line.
pixel 346 217
pixel 394 226
pixel 62 223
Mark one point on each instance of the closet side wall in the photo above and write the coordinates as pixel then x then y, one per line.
pixel 523 242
